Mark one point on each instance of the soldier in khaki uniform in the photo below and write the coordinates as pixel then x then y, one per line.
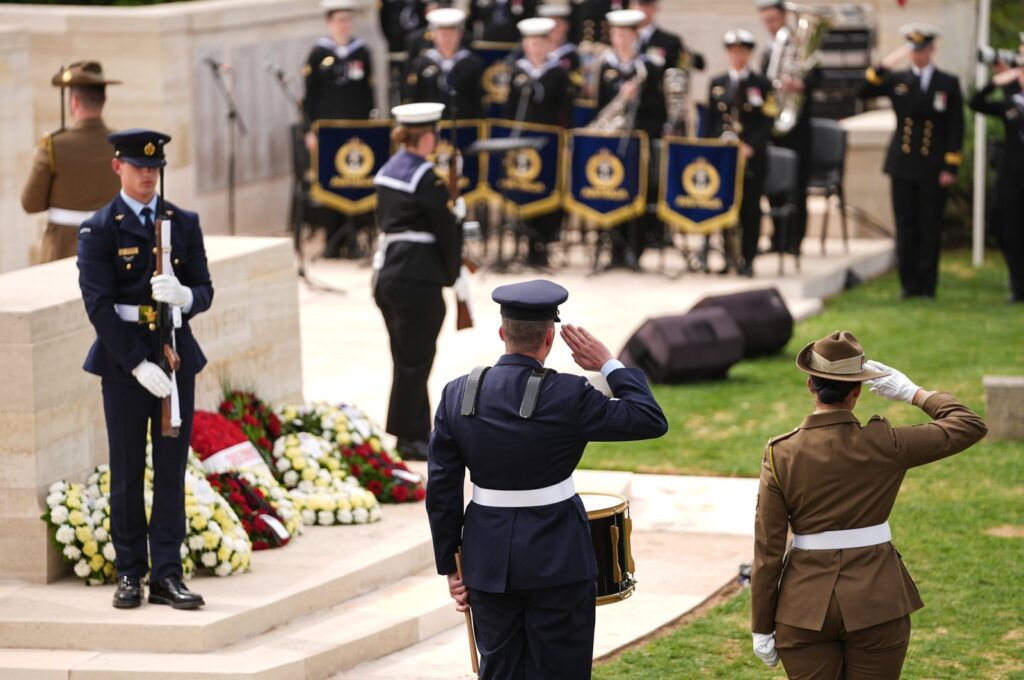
pixel 71 175
pixel 842 607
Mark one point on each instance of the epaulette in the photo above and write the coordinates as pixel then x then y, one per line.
pixel 878 419
pixel 769 453
pixel 47 143
pixel 778 438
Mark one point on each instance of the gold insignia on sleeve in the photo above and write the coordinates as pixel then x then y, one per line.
pixel 872 76
pixel 327 62
pixel 952 158
pixel 149 149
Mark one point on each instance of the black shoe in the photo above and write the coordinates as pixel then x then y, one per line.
pixel 1014 299
pixel 412 450
pixel 129 592
pixel 173 592
pixel 746 270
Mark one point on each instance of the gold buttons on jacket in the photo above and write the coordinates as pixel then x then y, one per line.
pixel 128 266
pixel 176 262
pixel 906 148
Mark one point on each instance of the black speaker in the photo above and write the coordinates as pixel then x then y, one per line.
pixel 762 316
pixel 701 345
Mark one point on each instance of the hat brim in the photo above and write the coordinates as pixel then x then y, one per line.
pixel 802 362
pixel 143 162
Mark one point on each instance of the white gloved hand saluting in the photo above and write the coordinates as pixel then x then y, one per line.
pixel 764 648
pixel 166 288
pixel 153 378
pixel 459 208
pixel 896 386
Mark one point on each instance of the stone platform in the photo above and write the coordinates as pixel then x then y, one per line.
pixel 364 601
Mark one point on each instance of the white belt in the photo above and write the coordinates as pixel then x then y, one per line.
pixel 528 498
pixel 68 218
pixel 846 538
pixel 131 313
pixel 387 239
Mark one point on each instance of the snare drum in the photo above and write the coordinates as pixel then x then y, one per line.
pixel 610 527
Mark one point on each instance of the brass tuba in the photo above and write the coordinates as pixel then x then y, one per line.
pixel 795 53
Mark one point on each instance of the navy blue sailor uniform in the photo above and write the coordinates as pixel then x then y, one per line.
pixel 927 140
pixel 495 20
pixel 432 78
pixel 419 253
pixel 339 81
pixel 115 263
pixel 529 567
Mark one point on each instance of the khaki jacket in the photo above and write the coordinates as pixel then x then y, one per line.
pixel 830 474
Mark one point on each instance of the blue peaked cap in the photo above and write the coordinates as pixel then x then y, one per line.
pixel 535 300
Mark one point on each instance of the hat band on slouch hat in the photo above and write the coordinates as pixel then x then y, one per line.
pixel 847 366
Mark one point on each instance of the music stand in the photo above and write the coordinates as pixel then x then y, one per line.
pixel 504 145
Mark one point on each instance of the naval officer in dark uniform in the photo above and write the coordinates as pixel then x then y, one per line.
pixel 924 154
pixel 116 265
pixel 419 252
pixel 447 73
pixel 741 105
pixel 520 430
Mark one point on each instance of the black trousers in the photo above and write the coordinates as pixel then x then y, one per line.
pixel 542 634
pixel 750 210
pixel 131 411
pixel 413 313
pixel 1010 230
pixel 918 206
pixel 541 231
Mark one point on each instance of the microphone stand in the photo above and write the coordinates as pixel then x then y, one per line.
pixel 514 223
pixel 235 123
pixel 300 163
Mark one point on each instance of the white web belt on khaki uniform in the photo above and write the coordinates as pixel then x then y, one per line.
pixel 528 498
pixel 132 314
pixel 68 218
pixel 844 539
pixel 386 239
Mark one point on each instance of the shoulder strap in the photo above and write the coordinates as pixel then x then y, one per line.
pixel 472 391
pixel 532 393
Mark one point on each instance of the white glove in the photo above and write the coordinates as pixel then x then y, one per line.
pixel 461 285
pixel 153 378
pixel 166 288
pixel 459 208
pixel 764 648
pixel 895 386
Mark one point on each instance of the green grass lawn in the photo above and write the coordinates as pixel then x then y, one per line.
pixel 958 522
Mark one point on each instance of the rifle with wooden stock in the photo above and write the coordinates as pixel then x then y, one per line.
pixel 464 316
pixel 170 421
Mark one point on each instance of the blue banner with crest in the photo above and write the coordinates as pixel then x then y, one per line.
pixel 607 176
pixel 701 184
pixel 527 180
pixel 497 73
pixel 471 178
pixel 347 157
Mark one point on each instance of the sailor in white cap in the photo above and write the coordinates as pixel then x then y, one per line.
pixel 625 73
pixel 539 92
pixel 563 50
pixel 447 72
pixel 419 253
pixel 924 153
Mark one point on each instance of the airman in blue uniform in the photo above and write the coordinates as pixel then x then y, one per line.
pixel 116 264
pixel 520 430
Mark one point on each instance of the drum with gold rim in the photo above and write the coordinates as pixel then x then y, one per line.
pixel 610 528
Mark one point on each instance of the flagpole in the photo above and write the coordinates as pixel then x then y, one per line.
pixel 980 161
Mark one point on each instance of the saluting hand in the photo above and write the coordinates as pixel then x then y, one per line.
pixel 459 593
pixel 587 351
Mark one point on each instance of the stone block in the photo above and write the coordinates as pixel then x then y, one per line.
pixel 1004 402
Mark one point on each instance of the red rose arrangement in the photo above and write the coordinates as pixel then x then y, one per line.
pixel 257 420
pixel 259 519
pixel 390 480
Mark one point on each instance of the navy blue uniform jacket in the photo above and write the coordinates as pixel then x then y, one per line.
pixel 525 548
pixel 115 264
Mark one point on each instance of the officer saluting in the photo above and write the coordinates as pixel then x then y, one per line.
pixel 741 105
pixel 924 154
pixel 71 175
pixel 116 264
pixel 447 68
pixel 520 430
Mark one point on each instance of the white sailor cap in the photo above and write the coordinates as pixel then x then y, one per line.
pixel 555 10
pixel 739 38
pixel 341 5
pixel 919 35
pixel 625 18
pixel 768 4
pixel 446 17
pixel 421 113
pixel 536 26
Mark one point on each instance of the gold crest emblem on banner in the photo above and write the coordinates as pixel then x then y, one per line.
pixel 605 174
pixel 354 161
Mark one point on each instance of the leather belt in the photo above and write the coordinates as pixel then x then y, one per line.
pixel 386 239
pixel 528 498
pixel 846 538
pixel 68 218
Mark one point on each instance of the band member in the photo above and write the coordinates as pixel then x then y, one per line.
pixel 741 105
pixel 589 20
pixel 339 86
pixel 497 20
pixel 399 19
pixel 116 265
pixel 1009 190
pixel 624 72
pixel 539 92
pixel 422 39
pixel 447 68
pixel 842 607
pixel 563 51
pixel 774 16
pixel 924 154
pixel 70 176
pixel 529 564
pixel 419 252
pixel 663 47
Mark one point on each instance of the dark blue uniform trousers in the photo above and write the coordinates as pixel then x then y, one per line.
pixel 130 411
pixel 542 634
